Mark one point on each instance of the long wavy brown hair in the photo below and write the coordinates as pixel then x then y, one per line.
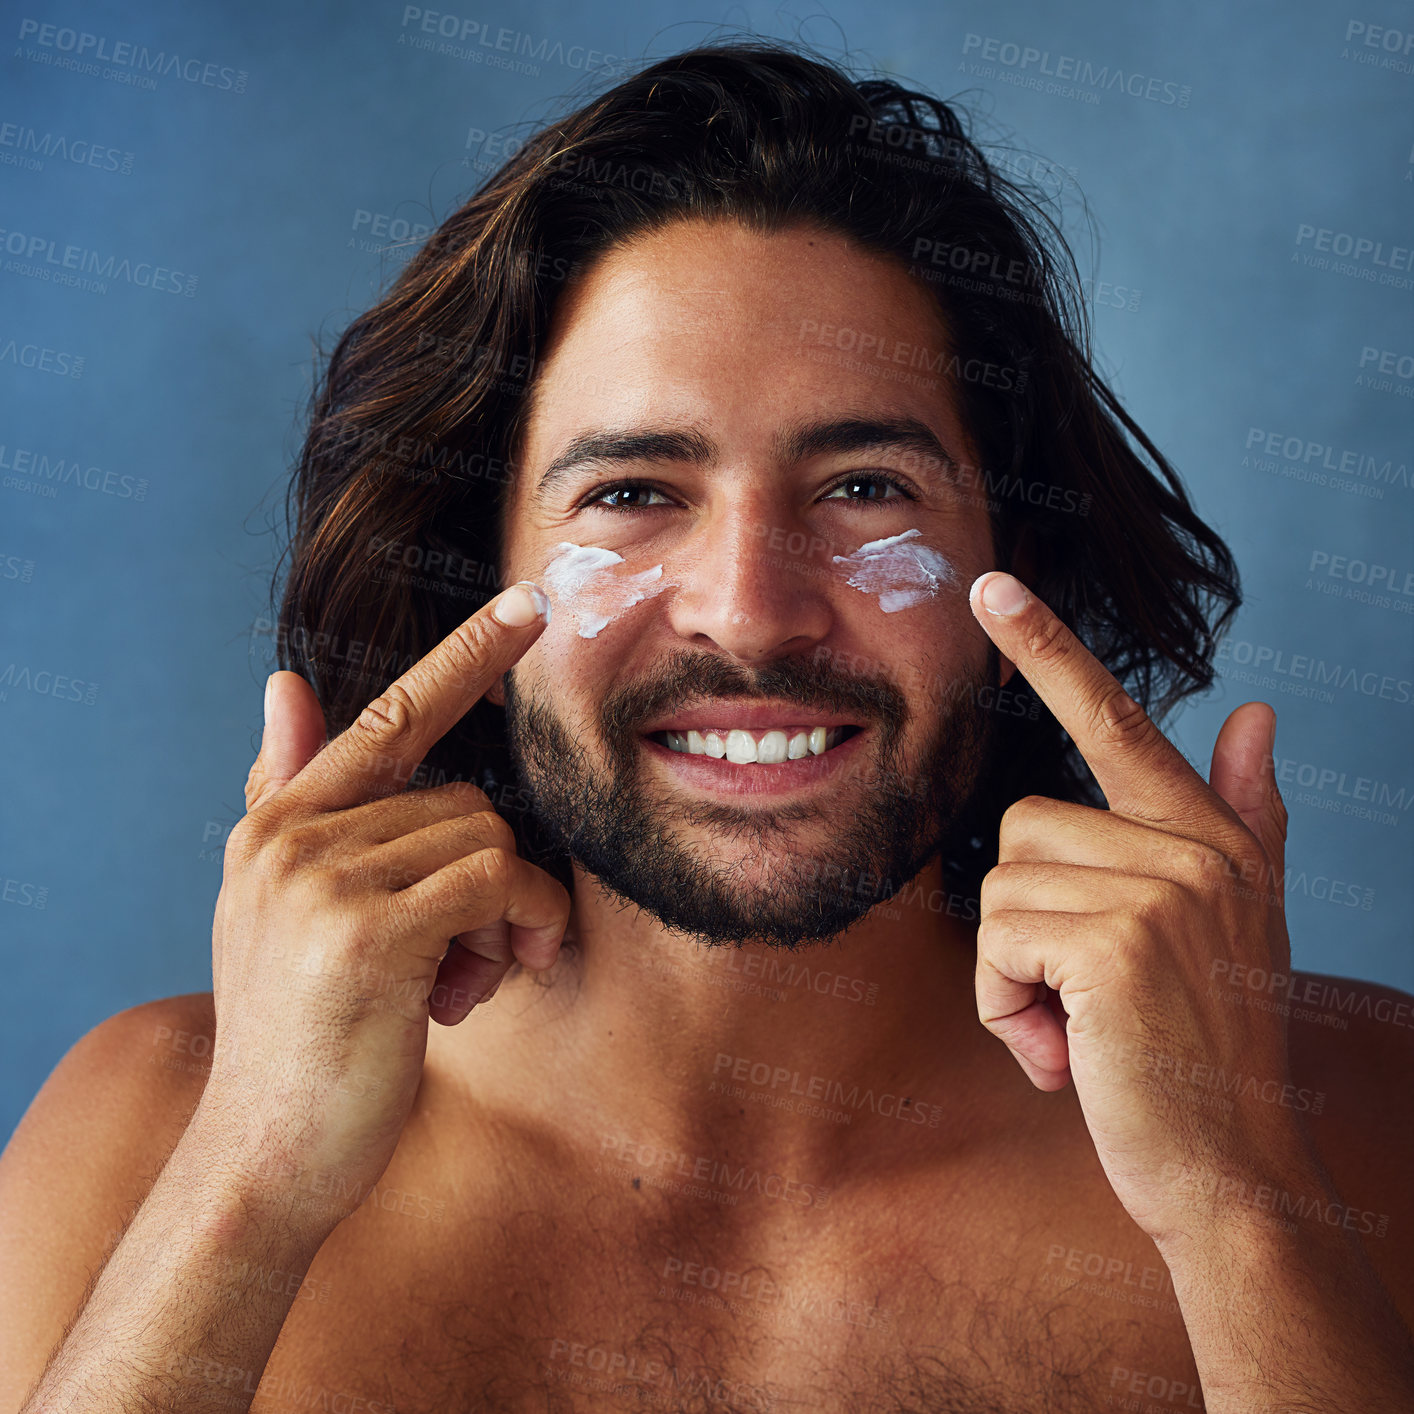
pixel 396 504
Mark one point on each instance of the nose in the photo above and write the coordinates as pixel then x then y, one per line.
pixel 752 582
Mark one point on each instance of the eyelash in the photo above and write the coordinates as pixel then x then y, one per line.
pixel 592 498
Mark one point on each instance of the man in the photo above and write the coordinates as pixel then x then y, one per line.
pixel 738 1132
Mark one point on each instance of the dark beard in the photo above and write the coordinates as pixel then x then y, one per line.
pixel 611 826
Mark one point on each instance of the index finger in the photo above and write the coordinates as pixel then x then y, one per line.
pixel 1141 772
pixel 397 729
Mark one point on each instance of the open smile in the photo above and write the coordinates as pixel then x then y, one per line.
pixel 755 762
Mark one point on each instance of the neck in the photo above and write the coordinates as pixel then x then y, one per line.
pixel 804 1058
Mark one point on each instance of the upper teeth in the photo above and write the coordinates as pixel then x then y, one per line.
pixel 768 747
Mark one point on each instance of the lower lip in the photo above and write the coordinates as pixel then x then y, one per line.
pixel 715 774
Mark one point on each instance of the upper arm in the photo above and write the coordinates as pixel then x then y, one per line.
pixel 80 1164
pixel 1353 1052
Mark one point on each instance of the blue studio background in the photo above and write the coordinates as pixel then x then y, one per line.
pixel 1248 179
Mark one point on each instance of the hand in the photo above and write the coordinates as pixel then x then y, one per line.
pixel 1123 913
pixel 340 894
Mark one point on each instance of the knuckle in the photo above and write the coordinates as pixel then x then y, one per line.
pixel 387 722
pixel 496 832
pixel 1199 861
pixel 993 932
pixel 291 850
pixel 492 870
pixel 245 839
pixel 473 639
pixel 1019 811
pixel 995 884
pixel 253 781
pixel 1018 818
pixel 1049 641
pixel 986 933
pixel 1121 720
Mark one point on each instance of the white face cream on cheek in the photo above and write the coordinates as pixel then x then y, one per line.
pixel 900 573
pixel 581 579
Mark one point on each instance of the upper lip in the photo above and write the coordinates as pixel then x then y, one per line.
pixel 746 717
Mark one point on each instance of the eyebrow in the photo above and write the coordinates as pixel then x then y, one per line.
pixel 794 444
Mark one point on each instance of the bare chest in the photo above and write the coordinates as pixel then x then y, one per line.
pixel 575 1290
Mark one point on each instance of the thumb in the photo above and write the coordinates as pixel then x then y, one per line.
pixel 293 736
pixel 1244 774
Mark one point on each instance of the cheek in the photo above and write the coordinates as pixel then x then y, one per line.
pixel 912 586
pixel 565 673
pixel 560 657
pixel 930 651
pixel 932 561
pixel 590 587
pixel 911 592
pixel 900 571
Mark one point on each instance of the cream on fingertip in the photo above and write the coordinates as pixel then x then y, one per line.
pixel 522 604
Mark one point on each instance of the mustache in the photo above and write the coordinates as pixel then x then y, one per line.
pixel 687 677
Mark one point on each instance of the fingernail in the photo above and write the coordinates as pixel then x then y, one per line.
pixel 1004 595
pixel 269 683
pixel 522 604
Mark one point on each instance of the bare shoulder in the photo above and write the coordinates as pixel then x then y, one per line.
pixel 1354 1037
pixel 1352 1054
pixel 80 1163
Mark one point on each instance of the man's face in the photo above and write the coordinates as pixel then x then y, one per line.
pixel 760 394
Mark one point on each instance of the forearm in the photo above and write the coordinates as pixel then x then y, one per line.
pixel 176 1320
pixel 1284 1311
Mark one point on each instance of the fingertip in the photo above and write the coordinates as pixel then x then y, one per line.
pixel 523 604
pixel 1047 1081
pixel 447 1018
pixel 1002 593
pixel 536 948
pixel 1246 730
pixel 972 593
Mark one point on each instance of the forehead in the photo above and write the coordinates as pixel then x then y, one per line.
pixel 734 332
